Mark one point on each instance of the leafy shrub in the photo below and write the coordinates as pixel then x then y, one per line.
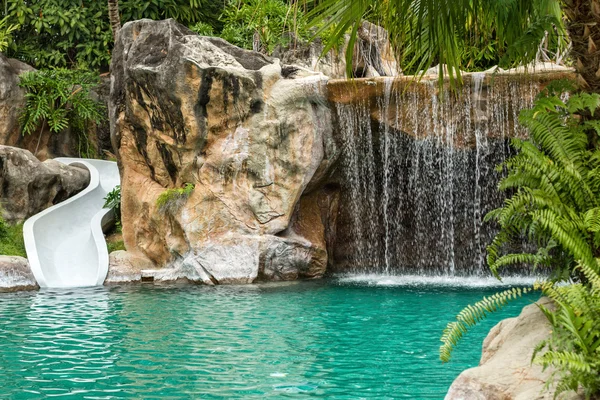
pixel 574 347
pixel 6 33
pixel 11 239
pixel 114 246
pixel 60 99
pixel 555 207
pixel 203 29
pixel 262 24
pixel 113 201
pixel 171 199
pixel 76 33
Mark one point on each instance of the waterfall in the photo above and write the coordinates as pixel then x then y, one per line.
pixel 418 172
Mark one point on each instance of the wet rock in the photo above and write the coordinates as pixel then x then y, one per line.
pixel 505 371
pixel 126 267
pixel 15 274
pixel 187 109
pixel 30 186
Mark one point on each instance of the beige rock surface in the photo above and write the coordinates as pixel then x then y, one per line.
pixel 190 109
pixel 15 274
pixel 505 371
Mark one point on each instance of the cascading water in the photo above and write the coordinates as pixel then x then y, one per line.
pixel 419 174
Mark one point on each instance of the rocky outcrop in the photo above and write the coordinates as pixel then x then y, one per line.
pixel 15 274
pixel 253 137
pixel 29 186
pixel 505 371
pixel 372 56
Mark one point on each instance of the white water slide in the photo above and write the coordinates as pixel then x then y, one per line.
pixel 65 244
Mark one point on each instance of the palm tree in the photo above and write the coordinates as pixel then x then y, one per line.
pixel 425 33
pixel 113 15
pixel 583 25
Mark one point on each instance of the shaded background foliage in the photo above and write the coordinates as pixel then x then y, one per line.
pixel 76 33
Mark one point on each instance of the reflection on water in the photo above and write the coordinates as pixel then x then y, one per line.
pixel 333 339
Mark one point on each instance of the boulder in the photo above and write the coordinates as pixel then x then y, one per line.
pixel 253 138
pixel 30 186
pixel 15 274
pixel 505 371
pixel 126 267
pixel 372 57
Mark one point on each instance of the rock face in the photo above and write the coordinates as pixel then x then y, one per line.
pixel 15 274
pixel 30 186
pixel 372 57
pixel 253 137
pixel 505 371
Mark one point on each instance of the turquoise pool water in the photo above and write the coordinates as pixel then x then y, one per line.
pixel 365 337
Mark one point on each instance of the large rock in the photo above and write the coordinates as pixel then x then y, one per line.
pixel 372 56
pixel 505 371
pixel 29 186
pixel 15 274
pixel 253 137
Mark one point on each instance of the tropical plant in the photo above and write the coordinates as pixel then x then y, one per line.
pixel 60 99
pixel 6 31
pixel 77 33
pixel 262 25
pixel 171 199
pixel 467 33
pixel 555 208
pixel 113 201
pixel 11 239
pixel 573 350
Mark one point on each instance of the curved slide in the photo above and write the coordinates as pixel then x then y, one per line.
pixel 65 244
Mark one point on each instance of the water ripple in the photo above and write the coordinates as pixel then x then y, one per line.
pixel 343 339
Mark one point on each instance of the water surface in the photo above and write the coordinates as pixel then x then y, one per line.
pixel 346 338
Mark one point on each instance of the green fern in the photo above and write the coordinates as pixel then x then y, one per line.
pixel 555 208
pixel 472 314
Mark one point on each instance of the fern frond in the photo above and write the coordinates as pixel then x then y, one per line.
pixel 471 315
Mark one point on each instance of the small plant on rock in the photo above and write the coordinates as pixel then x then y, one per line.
pixel 171 200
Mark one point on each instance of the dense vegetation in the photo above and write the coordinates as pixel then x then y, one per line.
pixel 555 208
pixel 11 239
pixel 76 33
pixel 60 100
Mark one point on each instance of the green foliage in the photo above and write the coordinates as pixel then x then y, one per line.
pixel 262 23
pixel 556 183
pixel 11 239
pixel 574 347
pixel 76 33
pixel 6 33
pixel 171 199
pixel 60 99
pixel 555 208
pixel 114 246
pixel 203 29
pixel 469 34
pixel 473 314
pixel 113 201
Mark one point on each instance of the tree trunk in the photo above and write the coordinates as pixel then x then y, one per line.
pixel 583 25
pixel 113 15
